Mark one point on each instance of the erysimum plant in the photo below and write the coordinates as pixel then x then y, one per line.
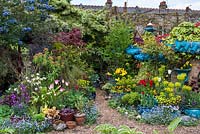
pixel 168 93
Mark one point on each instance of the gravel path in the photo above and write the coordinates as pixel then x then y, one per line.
pixel 111 116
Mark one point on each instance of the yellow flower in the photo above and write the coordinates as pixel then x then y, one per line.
pixel 181 77
pixel 117 71
pixel 157 84
pixel 108 73
pixel 154 92
pixel 45 110
pixel 178 84
pixel 118 79
pixel 155 79
pixel 169 89
pixel 123 72
pixel 187 88
pixel 165 83
pixel 171 95
pixel 171 85
pixel 134 85
pixel 162 93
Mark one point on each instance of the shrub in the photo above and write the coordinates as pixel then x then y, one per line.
pixel 131 98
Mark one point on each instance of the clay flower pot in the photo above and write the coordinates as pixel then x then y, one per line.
pixel 67 114
pixel 80 118
pixel 71 124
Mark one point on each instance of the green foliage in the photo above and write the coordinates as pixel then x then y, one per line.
pixel 147 100
pixel 173 125
pixel 64 62
pixel 73 98
pixel 131 99
pixel 110 129
pixel 106 129
pixel 118 39
pixel 80 103
pixel 191 99
pixel 7 131
pixel 154 48
pixel 88 21
pixel 38 117
pixel 107 86
pixel 5 111
pixel 184 31
pixel 49 97
pixel 114 103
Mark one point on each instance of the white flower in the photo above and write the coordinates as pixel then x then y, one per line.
pixel 15 89
pixel 67 83
pixel 169 71
pixel 32 75
pixel 26 78
pixel 63 81
pixel 36 89
pixel 44 78
pixel 33 79
pixel 28 81
pixel 37 78
pixel 37 74
pixel 138 117
pixel 37 83
pixel 159 79
pixel 126 113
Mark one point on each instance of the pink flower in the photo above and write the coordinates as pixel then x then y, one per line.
pixel 62 89
pixel 67 83
pixel 56 82
pixel 51 86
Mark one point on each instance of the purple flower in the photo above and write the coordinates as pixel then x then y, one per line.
pixel 56 82
pixel 51 86
pixel 62 89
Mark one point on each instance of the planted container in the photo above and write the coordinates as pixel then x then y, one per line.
pixel 67 114
pixel 193 112
pixel 80 118
pixel 71 124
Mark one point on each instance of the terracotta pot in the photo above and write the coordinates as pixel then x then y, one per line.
pixel 80 118
pixel 56 122
pixel 71 124
pixel 66 116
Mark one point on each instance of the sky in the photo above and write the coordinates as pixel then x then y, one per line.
pixel 177 4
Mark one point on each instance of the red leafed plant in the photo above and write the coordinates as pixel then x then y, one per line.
pixel 73 37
